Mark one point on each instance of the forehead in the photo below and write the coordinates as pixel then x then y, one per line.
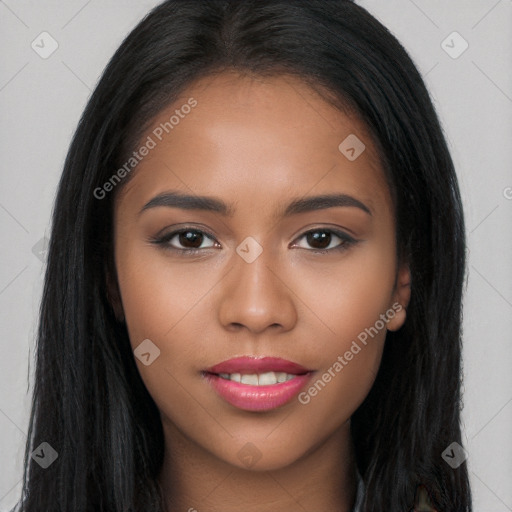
pixel 257 139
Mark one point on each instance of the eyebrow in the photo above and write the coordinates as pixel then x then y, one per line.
pixel 211 204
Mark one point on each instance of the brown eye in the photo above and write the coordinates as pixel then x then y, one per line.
pixel 191 239
pixel 324 240
pixel 186 240
pixel 319 239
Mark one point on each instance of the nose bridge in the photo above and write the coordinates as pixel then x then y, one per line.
pixel 255 296
pixel 257 277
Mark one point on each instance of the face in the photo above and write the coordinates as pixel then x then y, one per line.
pixel 256 266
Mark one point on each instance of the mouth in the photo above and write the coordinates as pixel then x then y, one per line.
pixel 257 383
pixel 258 379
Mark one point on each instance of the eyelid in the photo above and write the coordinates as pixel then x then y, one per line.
pixel 164 240
pixel 178 228
pixel 346 239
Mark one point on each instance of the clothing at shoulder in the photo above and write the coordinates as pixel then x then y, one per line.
pixel 422 504
pixel 359 494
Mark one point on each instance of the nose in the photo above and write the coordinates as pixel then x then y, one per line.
pixel 256 297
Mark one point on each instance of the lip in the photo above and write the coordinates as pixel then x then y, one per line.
pixel 257 398
pixel 252 364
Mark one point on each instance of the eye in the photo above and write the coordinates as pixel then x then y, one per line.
pixel 191 241
pixel 325 240
pixel 186 239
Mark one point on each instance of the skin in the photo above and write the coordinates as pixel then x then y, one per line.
pixel 257 144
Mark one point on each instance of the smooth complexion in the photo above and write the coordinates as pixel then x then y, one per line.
pixel 257 145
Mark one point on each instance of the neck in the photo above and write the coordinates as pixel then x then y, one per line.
pixel 323 479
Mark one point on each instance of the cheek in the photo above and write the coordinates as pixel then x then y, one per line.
pixel 347 296
pixel 346 302
pixel 165 303
pixel 351 352
pixel 158 296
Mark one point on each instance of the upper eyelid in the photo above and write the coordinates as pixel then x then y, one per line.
pixel 344 237
pixel 172 234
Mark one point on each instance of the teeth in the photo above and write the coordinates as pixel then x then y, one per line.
pixel 262 379
pixel 266 379
pixel 250 379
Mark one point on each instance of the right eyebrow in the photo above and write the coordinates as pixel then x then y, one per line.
pixel 175 199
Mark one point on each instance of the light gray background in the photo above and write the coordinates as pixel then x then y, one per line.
pixel 41 101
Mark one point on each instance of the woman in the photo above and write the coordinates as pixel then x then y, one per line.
pixel 254 281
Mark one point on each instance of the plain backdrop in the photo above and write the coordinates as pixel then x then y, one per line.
pixel 41 101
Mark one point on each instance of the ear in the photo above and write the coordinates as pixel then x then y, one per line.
pixel 114 296
pixel 401 298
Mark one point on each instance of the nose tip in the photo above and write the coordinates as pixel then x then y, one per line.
pixel 256 325
pixel 255 297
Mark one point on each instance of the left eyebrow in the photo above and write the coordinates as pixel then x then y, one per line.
pixel 322 202
pixel 212 204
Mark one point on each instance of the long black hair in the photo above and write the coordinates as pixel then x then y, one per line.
pixel 89 402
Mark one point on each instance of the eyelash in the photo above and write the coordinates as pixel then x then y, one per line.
pixel 346 241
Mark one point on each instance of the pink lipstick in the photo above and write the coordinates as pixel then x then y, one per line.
pixel 257 383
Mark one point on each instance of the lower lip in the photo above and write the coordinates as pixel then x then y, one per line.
pixel 257 398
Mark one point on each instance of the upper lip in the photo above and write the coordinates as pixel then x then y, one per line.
pixel 253 364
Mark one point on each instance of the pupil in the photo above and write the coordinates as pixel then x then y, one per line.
pixel 319 239
pixel 191 239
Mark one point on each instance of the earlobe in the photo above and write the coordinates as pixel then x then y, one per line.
pixel 401 298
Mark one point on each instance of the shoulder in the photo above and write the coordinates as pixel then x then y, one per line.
pixel 422 501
